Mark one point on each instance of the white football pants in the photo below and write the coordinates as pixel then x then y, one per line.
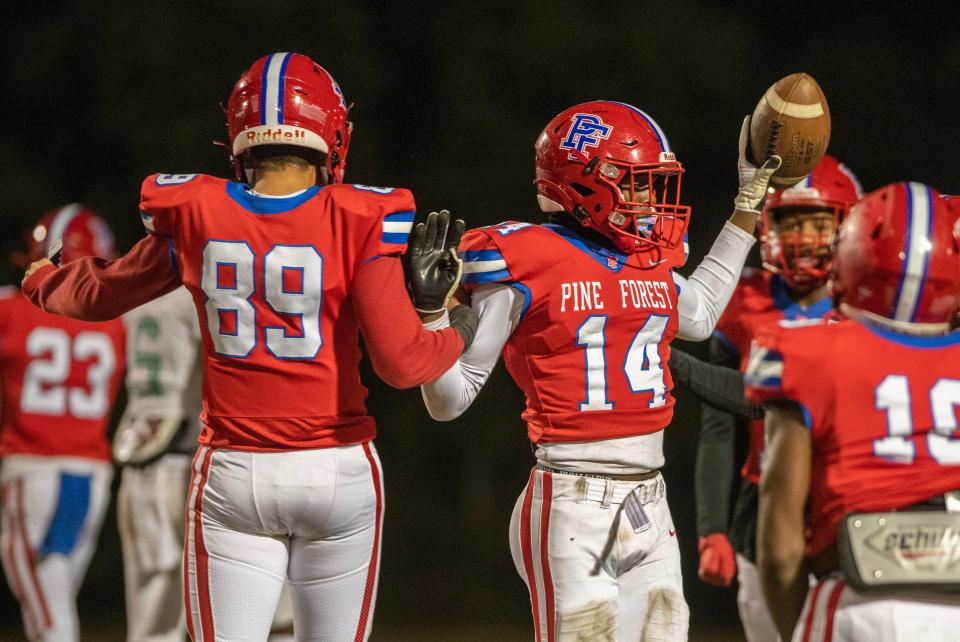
pixel 313 517
pixel 150 516
pixel 834 612
pixel 600 559
pixel 53 508
pixel 757 624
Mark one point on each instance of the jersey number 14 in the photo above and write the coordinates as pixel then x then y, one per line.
pixel 641 364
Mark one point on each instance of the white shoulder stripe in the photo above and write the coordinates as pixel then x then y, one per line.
pixel 399 227
pixel 470 267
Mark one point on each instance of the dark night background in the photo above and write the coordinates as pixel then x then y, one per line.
pixel 448 101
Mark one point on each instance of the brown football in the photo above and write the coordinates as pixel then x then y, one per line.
pixel 792 120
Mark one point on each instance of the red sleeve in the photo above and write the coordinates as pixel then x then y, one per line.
pixel 93 289
pixel 402 352
pixel 791 364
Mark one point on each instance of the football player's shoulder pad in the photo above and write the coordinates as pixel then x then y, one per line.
pixel 371 202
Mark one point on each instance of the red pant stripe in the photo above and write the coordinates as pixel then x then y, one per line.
pixel 526 546
pixel 372 569
pixel 28 551
pixel 548 601
pixel 832 602
pixel 201 557
pixel 808 625
pixel 10 557
pixel 187 546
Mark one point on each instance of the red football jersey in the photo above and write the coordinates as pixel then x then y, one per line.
pixel 591 350
pixel 271 278
pixel 761 299
pixel 881 408
pixel 60 379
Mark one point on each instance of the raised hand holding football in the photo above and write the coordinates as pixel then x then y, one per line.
pixel 792 120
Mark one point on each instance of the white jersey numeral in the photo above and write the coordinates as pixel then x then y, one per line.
pixel 893 396
pixel 300 300
pixel 590 335
pixel 641 366
pixel 228 281
pixel 44 390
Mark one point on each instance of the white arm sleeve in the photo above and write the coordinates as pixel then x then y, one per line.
pixel 499 307
pixel 708 290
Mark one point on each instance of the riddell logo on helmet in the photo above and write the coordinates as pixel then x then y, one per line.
pixel 275 136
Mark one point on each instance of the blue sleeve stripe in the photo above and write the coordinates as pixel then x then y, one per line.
pixel 807 418
pixel 486 277
pixel 395 238
pixel 481 255
pixel 397 217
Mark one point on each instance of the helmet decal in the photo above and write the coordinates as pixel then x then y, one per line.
pixel 586 130
pixel 916 252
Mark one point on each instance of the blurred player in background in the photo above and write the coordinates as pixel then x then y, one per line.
pixel 59 380
pixel 584 309
pixel 155 443
pixel 861 416
pixel 285 266
pixel 796 232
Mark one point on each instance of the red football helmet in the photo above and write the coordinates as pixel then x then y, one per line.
pixel 609 165
pixel 287 99
pixel 897 259
pixel 67 234
pixel 803 259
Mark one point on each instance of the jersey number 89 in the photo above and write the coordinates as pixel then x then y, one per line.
pixel 292 286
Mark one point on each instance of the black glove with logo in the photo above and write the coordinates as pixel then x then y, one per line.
pixel 432 263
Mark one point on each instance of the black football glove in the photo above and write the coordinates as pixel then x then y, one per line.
pixel 433 265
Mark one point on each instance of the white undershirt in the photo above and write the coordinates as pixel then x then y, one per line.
pixel 701 301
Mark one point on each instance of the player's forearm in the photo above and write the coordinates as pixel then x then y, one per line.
pixel 94 289
pixel 784 489
pixel 450 395
pixel 783 575
pixel 715 471
pixel 706 293
pixel 719 386
pixel 402 352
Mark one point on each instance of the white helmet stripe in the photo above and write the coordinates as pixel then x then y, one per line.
pixel 271 92
pixel 661 136
pixel 58 226
pixel 918 248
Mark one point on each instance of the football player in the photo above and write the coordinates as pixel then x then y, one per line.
pixel 796 232
pixel 155 441
pixel 286 265
pixel 861 420
pixel 59 381
pixel 583 309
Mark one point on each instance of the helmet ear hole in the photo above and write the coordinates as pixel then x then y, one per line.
pixel 581 189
